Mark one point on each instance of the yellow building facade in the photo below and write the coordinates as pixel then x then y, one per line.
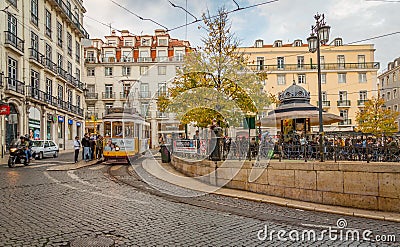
pixel 348 74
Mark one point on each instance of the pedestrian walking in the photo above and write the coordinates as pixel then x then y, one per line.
pixel 99 146
pixel 86 147
pixel 77 146
pixel 92 143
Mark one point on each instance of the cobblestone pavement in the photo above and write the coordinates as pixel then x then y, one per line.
pixel 52 208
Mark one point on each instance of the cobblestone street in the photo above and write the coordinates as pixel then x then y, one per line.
pixel 52 208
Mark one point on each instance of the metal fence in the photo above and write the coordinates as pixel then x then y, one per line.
pixel 337 147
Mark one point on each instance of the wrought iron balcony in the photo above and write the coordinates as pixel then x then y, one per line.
pixel 91 96
pixel 325 66
pixel 325 103
pixel 13 40
pixel 36 56
pixel 36 93
pixel 345 122
pixel 109 59
pixel 50 65
pixel 91 60
pixel 66 10
pixel 144 94
pixel 145 59
pixel 108 95
pixel 15 85
pixel 361 102
pixel 343 103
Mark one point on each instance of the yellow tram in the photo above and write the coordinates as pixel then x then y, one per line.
pixel 125 135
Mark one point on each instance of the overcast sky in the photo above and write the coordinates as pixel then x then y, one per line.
pixel 353 20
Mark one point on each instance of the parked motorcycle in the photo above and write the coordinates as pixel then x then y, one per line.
pixel 17 155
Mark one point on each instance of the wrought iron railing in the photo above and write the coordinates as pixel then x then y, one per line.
pixel 15 85
pixel 12 39
pixel 325 66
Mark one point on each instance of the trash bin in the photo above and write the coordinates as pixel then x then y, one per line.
pixel 165 154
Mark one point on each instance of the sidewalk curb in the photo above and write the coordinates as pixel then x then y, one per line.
pixel 310 206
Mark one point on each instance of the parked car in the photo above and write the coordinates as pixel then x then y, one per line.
pixel 42 148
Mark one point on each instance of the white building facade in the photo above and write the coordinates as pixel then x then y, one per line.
pixel 40 65
pixel 132 71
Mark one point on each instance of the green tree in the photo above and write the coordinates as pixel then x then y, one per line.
pixel 215 80
pixel 376 119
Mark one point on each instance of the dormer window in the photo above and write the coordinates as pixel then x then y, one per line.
pixel 278 43
pixel 338 42
pixel 128 43
pixel 146 41
pixel 297 43
pixel 112 43
pixel 162 41
pixel 259 43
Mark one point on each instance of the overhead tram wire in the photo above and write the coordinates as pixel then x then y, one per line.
pixel 106 25
pixel 138 16
pixel 228 12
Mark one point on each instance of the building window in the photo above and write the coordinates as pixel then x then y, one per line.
pixel 338 42
pixel 341 61
pixel 126 89
pixel 298 43
pixel 78 74
pixel 146 41
pixel 126 70
pixel 144 70
pixel 300 62
pixel 281 79
pixel 69 67
pixel 162 70
pixel 362 77
pixel 59 34
pixel 394 93
pixel 128 42
pixel 108 91
pixel 301 78
pixel 91 71
pixel 259 43
pixel 162 89
pixel 126 56
pixel 163 42
pixel 363 95
pixel 35 84
pixel 48 23
pixel 70 131
pixel 344 114
pixel 361 61
pixel 12 68
pixel 278 43
pixel 108 106
pixel 281 62
pixel 323 78
pixel 342 95
pixel 144 90
pixel 60 92
pixel 108 71
pixel 13 3
pixel 77 52
pixel 324 97
pixel 322 62
pixel 49 53
pixel 60 64
pixel 388 96
pixel 12 28
pixel 69 44
pixel 342 77
pixel 35 45
pixel 49 88
pixel 34 12
pixel 260 63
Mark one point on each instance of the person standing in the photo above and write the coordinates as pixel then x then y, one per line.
pixel 99 146
pixel 86 147
pixel 77 146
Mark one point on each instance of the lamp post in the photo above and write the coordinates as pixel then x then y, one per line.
pixel 319 35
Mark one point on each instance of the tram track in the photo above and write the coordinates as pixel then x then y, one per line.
pixel 231 206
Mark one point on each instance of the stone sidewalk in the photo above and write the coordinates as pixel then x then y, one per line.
pixel 167 172
pixel 4 160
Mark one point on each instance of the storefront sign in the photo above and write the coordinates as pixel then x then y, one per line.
pixel 4 110
pixel 70 121
pixel 50 117
pixel 60 119
pixel 78 124
pixel 185 146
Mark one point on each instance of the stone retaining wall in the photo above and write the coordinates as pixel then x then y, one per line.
pixel 374 186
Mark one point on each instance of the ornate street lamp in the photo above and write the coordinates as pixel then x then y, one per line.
pixel 319 36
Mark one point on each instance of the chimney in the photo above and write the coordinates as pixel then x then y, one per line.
pixel 160 32
pixel 113 33
pixel 125 33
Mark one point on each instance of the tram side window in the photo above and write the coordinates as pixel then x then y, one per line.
pixel 117 129
pixel 137 130
pixel 107 129
pixel 129 130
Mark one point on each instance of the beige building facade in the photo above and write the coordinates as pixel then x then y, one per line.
pixel 40 65
pixel 389 86
pixel 348 74
pixel 132 71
